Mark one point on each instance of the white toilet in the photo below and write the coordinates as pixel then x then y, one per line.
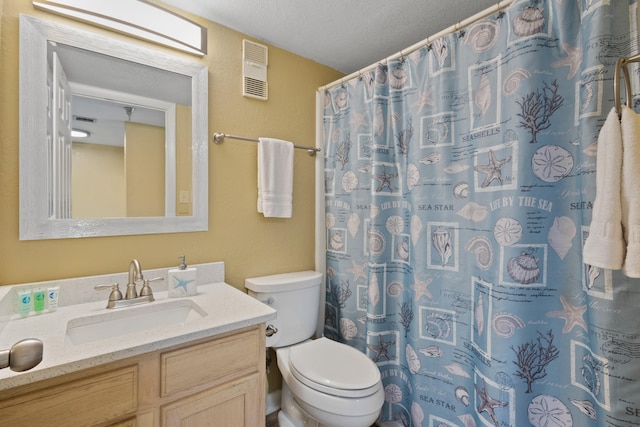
pixel 326 383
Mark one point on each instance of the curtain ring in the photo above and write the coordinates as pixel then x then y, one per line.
pixel 461 33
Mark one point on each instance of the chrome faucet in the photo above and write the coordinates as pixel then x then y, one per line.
pixel 131 297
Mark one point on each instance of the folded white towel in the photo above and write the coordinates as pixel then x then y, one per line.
pixel 630 193
pixel 275 178
pixel 605 246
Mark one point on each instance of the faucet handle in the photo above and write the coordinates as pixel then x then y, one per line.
pixel 115 294
pixel 146 289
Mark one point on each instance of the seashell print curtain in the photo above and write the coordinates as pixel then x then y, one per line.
pixel 459 186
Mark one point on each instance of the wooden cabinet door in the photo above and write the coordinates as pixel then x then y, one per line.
pixel 230 404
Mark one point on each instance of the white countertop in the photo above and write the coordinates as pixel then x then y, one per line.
pixel 227 309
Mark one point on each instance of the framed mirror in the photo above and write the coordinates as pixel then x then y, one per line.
pixel 137 159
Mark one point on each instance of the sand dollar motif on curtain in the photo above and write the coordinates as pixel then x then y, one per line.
pixel 459 185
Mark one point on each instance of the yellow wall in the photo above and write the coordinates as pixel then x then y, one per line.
pixel 97 181
pixel 248 243
pixel 144 165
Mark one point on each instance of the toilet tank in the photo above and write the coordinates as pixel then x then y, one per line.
pixel 296 298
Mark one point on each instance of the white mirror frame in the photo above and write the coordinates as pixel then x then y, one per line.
pixel 35 224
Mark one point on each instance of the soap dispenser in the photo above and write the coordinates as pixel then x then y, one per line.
pixel 182 280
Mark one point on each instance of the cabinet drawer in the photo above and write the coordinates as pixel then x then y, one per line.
pixel 229 404
pixel 210 362
pixel 84 402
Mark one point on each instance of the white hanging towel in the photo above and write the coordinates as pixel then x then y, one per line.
pixel 605 245
pixel 630 192
pixel 275 177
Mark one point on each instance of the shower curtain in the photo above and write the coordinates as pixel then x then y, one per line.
pixel 459 184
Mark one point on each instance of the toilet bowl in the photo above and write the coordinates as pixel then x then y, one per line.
pixel 332 383
pixel 325 383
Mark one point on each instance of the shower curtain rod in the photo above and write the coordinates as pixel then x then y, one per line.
pixel 218 138
pixel 404 52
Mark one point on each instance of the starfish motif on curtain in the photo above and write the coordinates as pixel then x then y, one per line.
pixel 572 60
pixel 358 270
pixel 572 315
pixel 425 99
pixel 385 179
pixel 382 349
pixel 488 403
pixel 358 120
pixel 493 169
pixel 420 287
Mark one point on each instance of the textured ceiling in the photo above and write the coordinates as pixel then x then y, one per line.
pixel 346 35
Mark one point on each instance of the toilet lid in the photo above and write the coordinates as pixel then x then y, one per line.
pixel 335 368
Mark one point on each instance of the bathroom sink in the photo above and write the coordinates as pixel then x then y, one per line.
pixel 119 322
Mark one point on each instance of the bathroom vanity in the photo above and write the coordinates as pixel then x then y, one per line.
pixel 210 365
pixel 177 386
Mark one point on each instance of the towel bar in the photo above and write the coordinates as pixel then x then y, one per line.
pixel 218 138
pixel 621 66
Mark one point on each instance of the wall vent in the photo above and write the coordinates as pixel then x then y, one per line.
pixel 84 119
pixel 254 70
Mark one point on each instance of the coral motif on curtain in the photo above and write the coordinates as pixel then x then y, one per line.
pixel 459 182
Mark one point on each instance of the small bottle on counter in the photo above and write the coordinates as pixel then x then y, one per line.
pixel 52 297
pixel 24 302
pixel 39 296
pixel 182 280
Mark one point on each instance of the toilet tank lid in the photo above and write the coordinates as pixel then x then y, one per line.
pixel 283 282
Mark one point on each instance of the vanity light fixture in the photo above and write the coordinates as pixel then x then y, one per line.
pixel 79 133
pixel 138 18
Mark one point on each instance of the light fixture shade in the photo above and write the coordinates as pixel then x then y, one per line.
pixel 79 133
pixel 137 18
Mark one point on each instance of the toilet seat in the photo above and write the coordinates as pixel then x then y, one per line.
pixel 326 406
pixel 333 368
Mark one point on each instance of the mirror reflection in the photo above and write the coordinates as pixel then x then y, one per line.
pixel 120 165
pixel 113 136
pixel 102 145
